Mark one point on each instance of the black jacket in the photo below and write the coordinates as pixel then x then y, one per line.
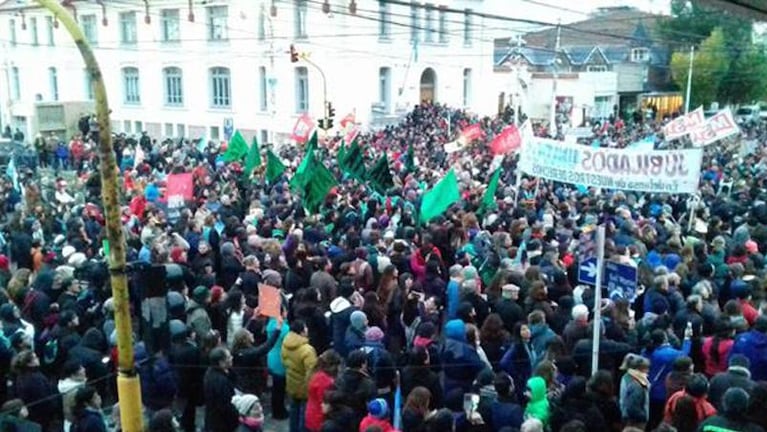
pixel 186 361
pixel 358 389
pixel 247 364
pixel 220 414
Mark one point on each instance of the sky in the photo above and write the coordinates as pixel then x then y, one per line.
pixel 565 10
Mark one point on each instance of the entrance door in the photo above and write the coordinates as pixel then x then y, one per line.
pixel 428 86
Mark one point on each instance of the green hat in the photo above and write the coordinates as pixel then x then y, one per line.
pixel 201 294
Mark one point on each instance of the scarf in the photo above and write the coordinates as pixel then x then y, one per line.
pixel 640 377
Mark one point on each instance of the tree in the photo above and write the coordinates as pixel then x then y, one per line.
pixel 691 24
pixel 710 67
pixel 746 77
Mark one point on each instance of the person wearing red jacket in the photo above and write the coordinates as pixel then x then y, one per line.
pixel 378 415
pixel 697 390
pixel 323 379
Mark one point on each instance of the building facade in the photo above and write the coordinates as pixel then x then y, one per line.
pixel 179 68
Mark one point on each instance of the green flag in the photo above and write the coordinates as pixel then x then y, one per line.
pixel 311 145
pixel 298 181
pixel 354 162
pixel 440 197
pixel 237 148
pixel 380 177
pixel 253 160
pixel 341 155
pixel 319 181
pixel 410 161
pixel 488 199
pixel 274 167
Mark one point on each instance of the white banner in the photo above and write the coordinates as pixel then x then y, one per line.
pixel 685 124
pixel 719 126
pixel 657 171
pixel 580 132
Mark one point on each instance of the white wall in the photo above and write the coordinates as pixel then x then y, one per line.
pixel 346 47
pixel 583 87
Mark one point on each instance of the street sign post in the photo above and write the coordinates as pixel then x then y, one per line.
pixel 228 128
pixel 587 271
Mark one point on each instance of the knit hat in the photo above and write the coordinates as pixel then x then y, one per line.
pixel 201 294
pixel 244 403
pixel 378 408
pixel 752 247
pixel 216 294
pixel 176 327
pixel 508 289
pixel 176 253
pixel 358 320
pixel 4 262
pixel 697 386
pixel 374 334
pixel 735 402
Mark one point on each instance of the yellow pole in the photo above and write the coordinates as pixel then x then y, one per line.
pixel 128 385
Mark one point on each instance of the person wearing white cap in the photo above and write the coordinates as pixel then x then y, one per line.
pixel 251 412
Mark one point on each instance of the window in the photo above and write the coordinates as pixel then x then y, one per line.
pixel 218 17
pixel 262 23
pixel 53 79
pixel 215 133
pixel 414 22
pixel 262 89
pixel 12 25
pixel 384 88
pixel 220 88
pixel 16 83
pixel 168 127
pixel 443 25
pixel 33 29
pixel 128 28
pixel 88 82
pixel 131 90
pixel 127 126
pixel 468 33
pixel 596 68
pixel 264 136
pixel 302 89
pixel 180 130
pixel 170 23
pixel 429 18
pixel 88 22
pixel 639 55
pixel 174 91
pixel 384 20
pixel 50 35
pixel 466 87
pixel 299 18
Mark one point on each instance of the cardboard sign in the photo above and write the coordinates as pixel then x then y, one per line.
pixel 269 301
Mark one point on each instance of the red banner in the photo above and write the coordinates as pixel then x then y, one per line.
pixel 178 189
pixel 472 132
pixel 507 141
pixel 303 129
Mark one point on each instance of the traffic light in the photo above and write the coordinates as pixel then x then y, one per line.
pixel 293 54
pixel 322 124
pixel 331 111
pixel 329 124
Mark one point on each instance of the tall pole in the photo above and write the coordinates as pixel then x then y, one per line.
pixel 324 81
pixel 553 126
pixel 689 81
pixel 597 323
pixel 128 385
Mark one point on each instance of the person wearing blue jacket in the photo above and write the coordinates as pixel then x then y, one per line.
pixel 460 361
pixel 662 356
pixel 753 345
pixel 277 369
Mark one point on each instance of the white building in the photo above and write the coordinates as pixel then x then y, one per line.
pixel 190 67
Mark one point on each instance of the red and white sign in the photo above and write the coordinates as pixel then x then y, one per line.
pixel 303 129
pixel 179 188
pixel 349 120
pixel 472 132
pixel 509 140
pixel 685 124
pixel 719 126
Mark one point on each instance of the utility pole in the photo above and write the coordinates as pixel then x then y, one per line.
pixel 689 81
pixel 326 122
pixel 128 384
pixel 597 322
pixel 553 127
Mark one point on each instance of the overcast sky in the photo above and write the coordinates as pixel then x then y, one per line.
pixel 566 10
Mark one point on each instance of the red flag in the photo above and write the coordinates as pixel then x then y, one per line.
pixel 303 128
pixel 507 141
pixel 349 120
pixel 472 132
pixel 351 135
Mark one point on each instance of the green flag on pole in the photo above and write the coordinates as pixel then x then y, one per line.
pixel 341 155
pixel 274 167
pixel 380 178
pixel 253 160
pixel 354 162
pixel 488 199
pixel 237 148
pixel 311 145
pixel 318 181
pixel 440 197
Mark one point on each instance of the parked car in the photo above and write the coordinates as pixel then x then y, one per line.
pixel 748 114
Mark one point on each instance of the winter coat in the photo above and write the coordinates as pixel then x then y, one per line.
pixel 753 344
pixel 415 376
pixel 299 359
pixel 220 414
pixel 634 397
pixel 358 389
pixel 703 409
pixel 319 383
pixel 158 381
pixel 713 367
pixel 34 387
pixel 340 311
pixel 370 421
pixel 380 365
pixel 721 423
pixel 186 360
pixel 538 405
pixel 247 364
pixel 353 340
pixel 540 335
pixel 518 363
pixel 735 376
pixel 274 358
pixel 661 363
pixel 89 421
pixel 460 361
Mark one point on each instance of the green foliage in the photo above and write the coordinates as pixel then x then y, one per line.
pixel 728 67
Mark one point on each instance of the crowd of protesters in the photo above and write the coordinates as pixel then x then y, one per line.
pixel 472 322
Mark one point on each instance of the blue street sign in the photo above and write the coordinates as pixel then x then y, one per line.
pixel 621 280
pixel 228 128
pixel 587 271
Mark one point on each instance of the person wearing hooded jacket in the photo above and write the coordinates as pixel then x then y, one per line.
pixel 341 310
pixel 733 416
pixel 299 359
pixel 460 361
pixel 753 345
pixel 537 405
pixel 355 333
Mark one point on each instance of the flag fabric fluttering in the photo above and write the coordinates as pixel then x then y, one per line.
pixel 380 177
pixel 488 199
pixel 237 148
pixel 253 160
pixel 440 197
pixel 341 155
pixel 317 181
pixel 507 141
pixel 274 167
pixel 302 129
pixel 354 162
